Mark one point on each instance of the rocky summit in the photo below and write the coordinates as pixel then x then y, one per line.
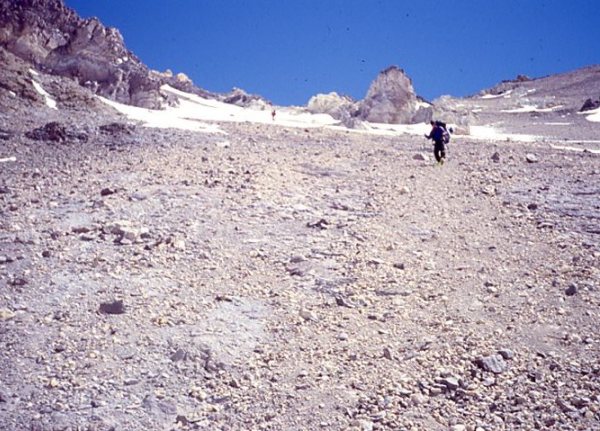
pixel 264 270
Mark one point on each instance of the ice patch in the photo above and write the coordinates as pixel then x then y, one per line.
pixel 8 159
pixel 50 102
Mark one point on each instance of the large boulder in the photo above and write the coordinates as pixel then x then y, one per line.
pixel 391 99
pixel 590 105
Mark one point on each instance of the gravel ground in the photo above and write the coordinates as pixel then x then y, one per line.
pixel 289 279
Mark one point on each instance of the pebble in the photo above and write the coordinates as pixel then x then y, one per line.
pixel 114 307
pixel 531 158
pixel 506 353
pixel 450 382
pixel 387 353
pixel 107 191
pixel 309 315
pixel 493 363
pixel 365 425
pixel 417 399
pixel 571 290
pixel 6 314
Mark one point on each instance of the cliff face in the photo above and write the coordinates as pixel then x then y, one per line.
pixel 55 39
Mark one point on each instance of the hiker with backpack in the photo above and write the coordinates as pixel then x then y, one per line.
pixel 440 137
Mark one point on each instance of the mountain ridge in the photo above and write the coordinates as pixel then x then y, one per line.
pixel 55 39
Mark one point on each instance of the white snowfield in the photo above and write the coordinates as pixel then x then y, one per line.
pixel 193 112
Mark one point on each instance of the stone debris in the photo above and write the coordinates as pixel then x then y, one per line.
pixel 151 279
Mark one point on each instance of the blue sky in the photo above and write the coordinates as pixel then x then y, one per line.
pixel 289 50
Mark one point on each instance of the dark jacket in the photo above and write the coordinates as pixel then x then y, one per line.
pixel 437 134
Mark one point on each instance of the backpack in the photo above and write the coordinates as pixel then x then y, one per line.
pixel 446 135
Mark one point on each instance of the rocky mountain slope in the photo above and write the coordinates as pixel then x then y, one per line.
pixel 268 277
pixel 284 279
pixel 548 106
pixel 54 39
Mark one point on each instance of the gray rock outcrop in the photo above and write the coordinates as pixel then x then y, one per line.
pixel 239 97
pixel 391 98
pixel 340 107
pixel 54 39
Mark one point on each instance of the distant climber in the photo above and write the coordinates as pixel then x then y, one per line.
pixel 273 113
pixel 439 135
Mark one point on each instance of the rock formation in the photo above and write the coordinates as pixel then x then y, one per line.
pixel 55 39
pixel 342 108
pixel 590 105
pixel 239 97
pixel 391 98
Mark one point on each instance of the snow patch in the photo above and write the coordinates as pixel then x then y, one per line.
pixel 576 149
pixel 505 95
pixel 168 118
pixel 8 159
pixel 593 115
pixel 492 134
pixel 491 96
pixel 50 102
pixel 193 111
pixel 531 108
